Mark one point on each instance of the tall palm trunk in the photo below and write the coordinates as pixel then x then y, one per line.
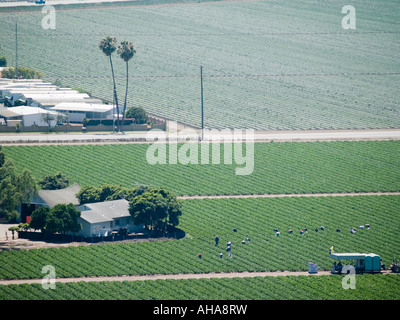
pixel 115 94
pixel 126 95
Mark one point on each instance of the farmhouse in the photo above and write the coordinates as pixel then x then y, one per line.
pixel 97 219
pixel 102 218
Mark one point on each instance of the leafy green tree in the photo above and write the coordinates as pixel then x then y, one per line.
pixel 38 218
pixel 138 113
pixel 14 189
pixel 63 218
pixel 88 194
pixel 126 51
pixel 54 182
pixel 156 208
pixel 111 192
pixel 107 192
pixel 108 45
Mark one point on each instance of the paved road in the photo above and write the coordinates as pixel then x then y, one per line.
pixel 148 137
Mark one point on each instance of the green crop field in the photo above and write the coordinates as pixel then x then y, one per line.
pixel 267 64
pixel 368 287
pixel 252 217
pixel 278 168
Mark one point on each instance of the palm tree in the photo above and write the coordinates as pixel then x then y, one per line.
pixel 108 45
pixel 126 51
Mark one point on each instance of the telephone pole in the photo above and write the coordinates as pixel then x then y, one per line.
pixel 202 105
pixel 16 50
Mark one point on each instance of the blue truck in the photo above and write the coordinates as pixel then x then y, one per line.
pixel 40 2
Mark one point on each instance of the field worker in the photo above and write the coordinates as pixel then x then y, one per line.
pixel 331 250
pixel 277 233
pixel 322 228
pixel 275 230
pixel 290 231
pixel 228 243
pixel 216 240
pixel 338 230
pixel 220 255
pixel 301 231
pixel 305 230
pixel 367 226
pixel 361 227
pixel 230 254
pixel 352 230
pixel 316 229
pixel 248 239
pixel 228 248
pixel 200 255
pixel 243 242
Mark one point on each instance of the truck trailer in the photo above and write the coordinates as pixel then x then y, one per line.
pixel 363 262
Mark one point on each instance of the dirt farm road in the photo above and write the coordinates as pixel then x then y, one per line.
pixel 179 276
pixel 171 276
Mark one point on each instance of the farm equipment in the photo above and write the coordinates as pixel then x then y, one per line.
pixel 40 2
pixel 363 262
pixel 395 266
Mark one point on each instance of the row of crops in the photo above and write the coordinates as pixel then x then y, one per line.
pixel 278 168
pixel 267 64
pixel 254 218
pixel 368 287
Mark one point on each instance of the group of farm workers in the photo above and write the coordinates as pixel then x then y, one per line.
pixel 322 228
pixel 277 233
pixel 228 246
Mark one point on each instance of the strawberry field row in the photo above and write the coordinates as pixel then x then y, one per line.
pixel 253 218
pixel 275 73
pixel 368 287
pixel 278 168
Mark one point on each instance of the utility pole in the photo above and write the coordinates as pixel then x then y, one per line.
pixel 16 50
pixel 202 105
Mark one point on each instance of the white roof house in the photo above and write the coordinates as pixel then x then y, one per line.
pixel 102 218
pixel 77 111
pixel 47 100
pixel 29 115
